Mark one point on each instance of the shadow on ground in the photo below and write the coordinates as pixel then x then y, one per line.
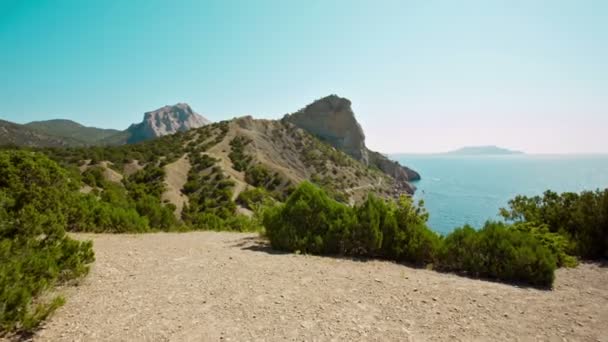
pixel 257 244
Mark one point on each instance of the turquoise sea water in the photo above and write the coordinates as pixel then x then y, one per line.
pixel 470 189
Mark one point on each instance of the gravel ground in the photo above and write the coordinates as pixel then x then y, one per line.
pixel 207 286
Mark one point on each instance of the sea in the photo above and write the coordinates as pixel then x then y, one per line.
pixel 459 190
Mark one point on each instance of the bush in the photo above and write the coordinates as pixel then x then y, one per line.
pixel 413 241
pixel 558 244
pixel 254 198
pixel 259 176
pixel 35 252
pixel 581 219
pixel 498 251
pixel 311 222
pixel 240 160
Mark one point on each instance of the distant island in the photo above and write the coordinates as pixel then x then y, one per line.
pixel 482 150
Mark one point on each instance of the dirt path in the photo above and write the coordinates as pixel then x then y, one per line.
pixel 229 287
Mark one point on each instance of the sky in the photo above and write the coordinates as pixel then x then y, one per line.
pixel 423 76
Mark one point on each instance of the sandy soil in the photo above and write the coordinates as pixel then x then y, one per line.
pixel 230 287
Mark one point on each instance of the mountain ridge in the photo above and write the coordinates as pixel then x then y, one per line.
pixel 330 119
pixel 168 119
pixel 71 129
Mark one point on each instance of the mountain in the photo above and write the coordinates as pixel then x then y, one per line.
pixel 21 135
pixel 323 143
pixel 482 150
pixel 332 120
pixel 223 168
pixel 163 121
pixel 60 132
pixel 72 130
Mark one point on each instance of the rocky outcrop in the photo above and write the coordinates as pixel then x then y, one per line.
pixel 165 120
pixel 333 120
pixel 392 168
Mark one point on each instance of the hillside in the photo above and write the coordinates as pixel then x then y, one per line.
pixel 61 132
pixel 265 159
pixel 204 171
pixel 333 120
pixel 68 129
pixel 21 135
pixel 217 175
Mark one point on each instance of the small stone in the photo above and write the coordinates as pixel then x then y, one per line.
pixel 434 299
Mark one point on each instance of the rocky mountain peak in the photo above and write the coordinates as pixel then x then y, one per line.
pixel 333 120
pixel 166 120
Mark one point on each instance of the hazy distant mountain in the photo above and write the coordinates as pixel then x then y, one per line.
pixel 60 132
pixel 482 150
pixel 70 129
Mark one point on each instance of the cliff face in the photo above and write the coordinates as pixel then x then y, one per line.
pixel 333 120
pixel 392 168
pixel 166 120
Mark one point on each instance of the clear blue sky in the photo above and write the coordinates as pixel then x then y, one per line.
pixel 423 76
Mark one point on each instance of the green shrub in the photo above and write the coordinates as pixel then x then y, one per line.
pixel 35 252
pixel 242 223
pixel 90 214
pixel 558 244
pixel 581 218
pixel 240 160
pixel 498 251
pixel 312 222
pixel 412 241
pixel 254 198
pixel 259 176
pixel 366 236
pixel 93 177
pixel 308 222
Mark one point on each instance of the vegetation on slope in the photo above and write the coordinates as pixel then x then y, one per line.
pixel 12 134
pixel 73 131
